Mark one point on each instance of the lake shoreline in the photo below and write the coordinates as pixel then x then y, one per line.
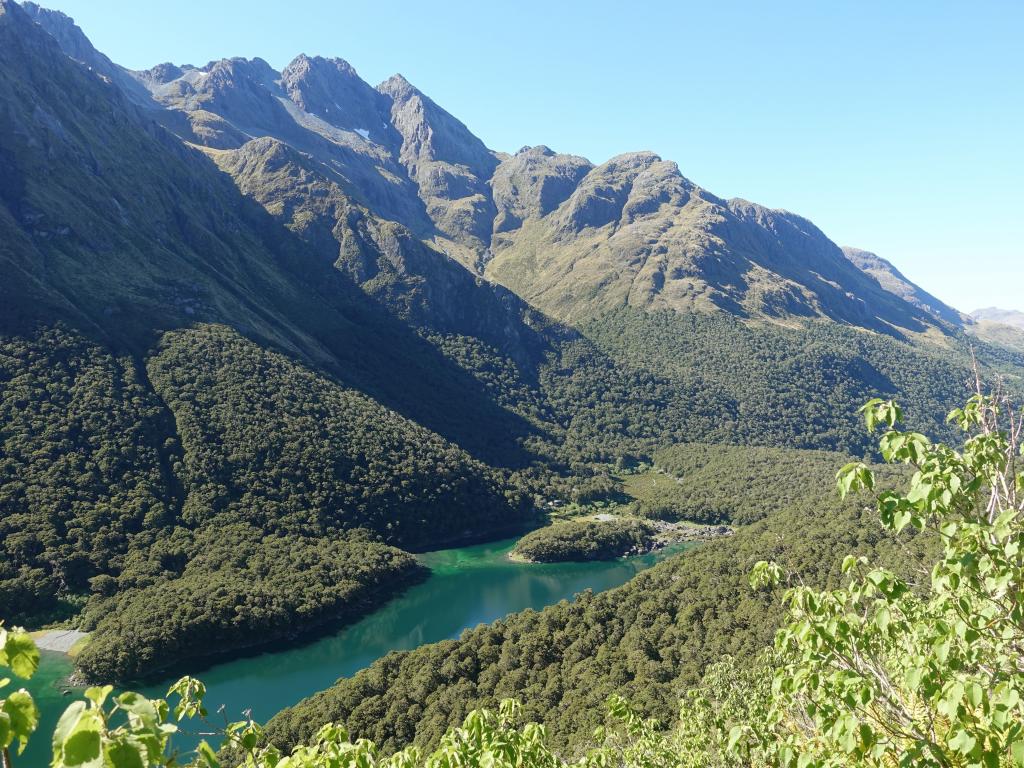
pixel 296 636
pixel 58 640
pixel 465 587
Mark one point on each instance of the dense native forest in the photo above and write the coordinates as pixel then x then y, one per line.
pixel 107 454
pixel 251 360
pixel 585 540
pixel 138 467
pixel 773 385
pixel 876 670
pixel 647 640
pixel 715 483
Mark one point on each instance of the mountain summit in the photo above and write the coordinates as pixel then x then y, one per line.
pixel 572 238
pixel 252 317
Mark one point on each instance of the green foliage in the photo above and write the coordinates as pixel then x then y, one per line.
pixel 18 712
pixel 153 501
pixel 271 442
pixel 241 588
pixel 609 407
pixel 581 540
pixel 645 641
pixel 880 672
pixel 774 385
pixel 101 730
pixel 887 671
pixel 713 482
pixel 82 468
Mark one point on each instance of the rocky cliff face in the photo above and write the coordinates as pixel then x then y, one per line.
pixel 572 238
pixel 532 183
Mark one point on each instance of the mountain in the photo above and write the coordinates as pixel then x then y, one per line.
pixel 301 309
pixel 1000 327
pixel 892 280
pixel 571 238
pixel 635 232
pixel 1001 316
pixel 131 262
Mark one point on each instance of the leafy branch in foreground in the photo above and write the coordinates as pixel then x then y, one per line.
pixel 883 672
pixel 886 672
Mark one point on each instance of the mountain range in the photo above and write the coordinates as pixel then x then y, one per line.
pixel 1003 316
pixel 284 308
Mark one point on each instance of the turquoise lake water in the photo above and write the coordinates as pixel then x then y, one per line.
pixel 466 587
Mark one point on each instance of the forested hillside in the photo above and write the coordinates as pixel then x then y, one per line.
pixel 715 483
pixel 875 667
pixel 647 640
pixel 794 386
pixel 231 586
pixel 231 302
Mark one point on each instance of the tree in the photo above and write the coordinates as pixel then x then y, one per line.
pixel 891 672
pixel 886 671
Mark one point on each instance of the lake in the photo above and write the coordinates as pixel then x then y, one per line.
pixel 466 587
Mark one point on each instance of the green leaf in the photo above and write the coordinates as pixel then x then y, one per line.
pixel 138 705
pixel 1017 752
pixel 962 741
pixel 22 654
pixel 97 695
pixel 127 754
pixel 882 617
pixel 65 724
pixel 23 716
pixel 82 748
pixel 76 740
pixel 208 755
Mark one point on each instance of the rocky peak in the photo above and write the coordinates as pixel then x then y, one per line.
pixel 75 44
pixel 163 73
pixel 240 92
pixel 532 183
pixel 430 133
pixel 450 166
pixel 332 90
pixel 622 189
pixel 231 70
pixel 398 88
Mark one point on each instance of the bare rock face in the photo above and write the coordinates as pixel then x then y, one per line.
pixel 635 231
pixel 448 163
pixel 572 238
pixel 532 183
pixel 621 190
pixel 332 90
pixel 386 259
pixel 241 91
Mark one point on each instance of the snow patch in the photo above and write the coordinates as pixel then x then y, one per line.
pixel 364 133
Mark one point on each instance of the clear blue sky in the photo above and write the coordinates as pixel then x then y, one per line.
pixel 895 126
